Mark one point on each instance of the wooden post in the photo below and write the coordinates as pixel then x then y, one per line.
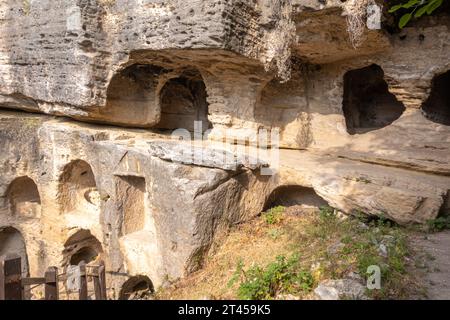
pixel 100 282
pixel 2 279
pixel 11 278
pixel 96 279
pixel 83 291
pixel 51 284
pixel 102 277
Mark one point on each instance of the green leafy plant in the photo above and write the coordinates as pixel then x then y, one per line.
pixel 274 215
pixel 415 9
pixel 327 213
pixel 282 276
pixel 237 273
pixel 439 224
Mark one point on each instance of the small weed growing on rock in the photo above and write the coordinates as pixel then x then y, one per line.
pixel 363 180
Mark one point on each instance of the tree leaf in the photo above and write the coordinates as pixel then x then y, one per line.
pixel 395 8
pixel 433 5
pixel 404 20
pixel 421 11
pixel 410 3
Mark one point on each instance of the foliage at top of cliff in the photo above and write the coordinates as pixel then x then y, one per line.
pixel 406 10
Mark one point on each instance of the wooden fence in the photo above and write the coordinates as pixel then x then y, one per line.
pixel 14 287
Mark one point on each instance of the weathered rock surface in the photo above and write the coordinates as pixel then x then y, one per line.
pixel 362 128
pixel 340 289
pixel 183 207
pixel 351 186
pixel 207 156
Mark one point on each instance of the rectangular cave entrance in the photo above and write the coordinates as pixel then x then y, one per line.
pixel 130 191
pixel 368 105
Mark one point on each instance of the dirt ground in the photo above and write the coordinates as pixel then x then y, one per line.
pixel 434 249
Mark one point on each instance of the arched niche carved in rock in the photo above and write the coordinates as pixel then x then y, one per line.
pixel 183 100
pixel 134 285
pixel 81 246
pixel 23 198
pixel 12 242
pixel 77 189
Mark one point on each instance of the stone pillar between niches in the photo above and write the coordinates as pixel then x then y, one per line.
pixel 232 99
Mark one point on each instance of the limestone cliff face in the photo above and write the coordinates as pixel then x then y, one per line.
pixel 93 172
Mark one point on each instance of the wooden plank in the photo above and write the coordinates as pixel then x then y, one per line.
pixel 32 281
pixel 83 292
pixel 51 284
pixel 11 278
pixel 63 277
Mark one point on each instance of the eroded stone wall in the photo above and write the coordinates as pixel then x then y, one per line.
pixel 103 196
pixel 362 129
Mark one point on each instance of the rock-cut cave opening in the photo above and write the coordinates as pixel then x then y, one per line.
pixel 367 104
pixel 134 285
pixel 81 246
pixel 131 96
pixel 445 208
pixel 292 195
pixel 12 242
pixel 437 107
pixel 77 187
pixel 183 100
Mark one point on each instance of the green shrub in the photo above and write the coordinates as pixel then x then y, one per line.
pixel 326 213
pixel 283 275
pixel 237 273
pixel 439 224
pixel 274 215
pixel 413 9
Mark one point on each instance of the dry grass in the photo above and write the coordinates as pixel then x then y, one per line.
pixel 329 247
pixel 253 243
pixel 356 20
